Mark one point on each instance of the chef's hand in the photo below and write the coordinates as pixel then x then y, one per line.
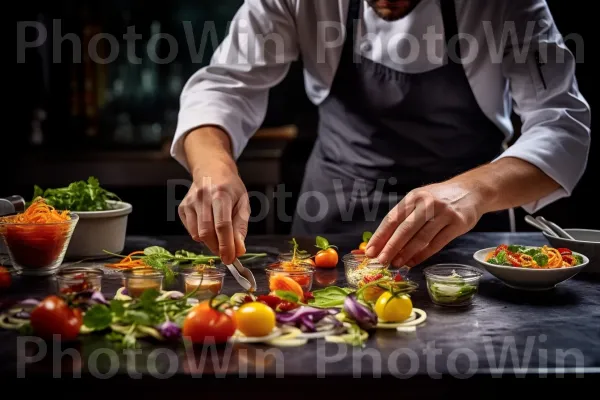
pixel 216 209
pixel 425 221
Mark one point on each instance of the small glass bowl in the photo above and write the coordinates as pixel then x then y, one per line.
pixel 79 279
pixel 302 274
pixel 452 285
pixel 37 249
pixel 137 281
pixel 204 282
pixel 358 274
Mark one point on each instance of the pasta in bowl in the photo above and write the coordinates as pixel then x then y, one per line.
pixel 531 267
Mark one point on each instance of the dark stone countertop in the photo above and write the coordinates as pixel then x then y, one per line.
pixel 505 333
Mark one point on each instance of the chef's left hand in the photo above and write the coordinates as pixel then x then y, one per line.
pixel 425 221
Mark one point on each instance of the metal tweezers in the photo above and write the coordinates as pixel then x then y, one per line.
pixel 242 275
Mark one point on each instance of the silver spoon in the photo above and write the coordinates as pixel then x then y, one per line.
pixel 533 222
pixel 559 231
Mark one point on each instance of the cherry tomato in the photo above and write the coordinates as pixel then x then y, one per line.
pixel 327 258
pixel 205 323
pixel 5 278
pixel 563 251
pixel 568 258
pixel 363 246
pixel 398 278
pixel 358 252
pixel 255 319
pixel 53 316
pixel 390 308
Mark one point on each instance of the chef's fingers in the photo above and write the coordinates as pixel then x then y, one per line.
pixel 421 240
pixel 407 230
pixel 222 207
pixel 389 225
pixel 187 214
pixel 445 236
pixel 241 215
pixel 206 225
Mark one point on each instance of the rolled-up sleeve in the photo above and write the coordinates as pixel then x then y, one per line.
pixel 232 91
pixel 540 68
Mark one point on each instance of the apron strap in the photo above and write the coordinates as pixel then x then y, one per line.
pixel 451 27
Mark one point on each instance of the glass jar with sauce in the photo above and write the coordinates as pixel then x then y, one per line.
pixel 204 282
pixel 79 279
pixel 137 281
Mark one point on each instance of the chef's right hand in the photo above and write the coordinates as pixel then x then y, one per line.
pixel 216 209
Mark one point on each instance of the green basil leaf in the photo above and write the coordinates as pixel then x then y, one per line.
pixel 98 318
pixel 331 296
pixel 117 307
pixel 322 243
pixel 367 236
pixel 287 296
pixel 157 250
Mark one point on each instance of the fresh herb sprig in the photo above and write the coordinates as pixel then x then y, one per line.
pixel 78 196
pixel 163 260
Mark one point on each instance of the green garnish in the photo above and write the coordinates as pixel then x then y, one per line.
pixel 452 290
pixel 541 259
pixel 578 258
pixel 78 196
pixel 163 260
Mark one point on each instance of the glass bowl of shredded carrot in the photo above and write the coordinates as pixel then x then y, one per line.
pixel 37 239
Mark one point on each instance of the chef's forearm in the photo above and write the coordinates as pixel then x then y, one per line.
pixel 507 183
pixel 208 145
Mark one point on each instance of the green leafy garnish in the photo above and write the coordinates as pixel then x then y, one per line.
pixel 323 243
pixel 329 297
pixel 78 196
pixel 98 318
pixel 287 296
pixel 161 259
pixel 367 236
pixel 541 259
pixel 578 259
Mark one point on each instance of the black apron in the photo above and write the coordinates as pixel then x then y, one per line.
pixel 383 133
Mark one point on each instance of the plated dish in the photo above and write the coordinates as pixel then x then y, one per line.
pixel 527 274
pixel 543 257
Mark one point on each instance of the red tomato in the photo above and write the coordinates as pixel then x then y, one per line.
pixel 207 324
pixel 564 251
pixel 5 278
pixel 358 252
pixel 53 316
pixel 327 258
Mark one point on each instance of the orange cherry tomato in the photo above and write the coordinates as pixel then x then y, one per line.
pixel 327 258
pixel 363 246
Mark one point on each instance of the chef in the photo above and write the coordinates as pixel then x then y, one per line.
pixel 413 122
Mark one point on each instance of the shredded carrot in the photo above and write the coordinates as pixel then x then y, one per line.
pixel 40 212
pixel 128 262
pixel 37 236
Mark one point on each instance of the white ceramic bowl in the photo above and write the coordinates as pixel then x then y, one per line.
pixel 586 242
pixel 98 231
pixel 528 278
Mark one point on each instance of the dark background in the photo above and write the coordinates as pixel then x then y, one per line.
pixel 115 121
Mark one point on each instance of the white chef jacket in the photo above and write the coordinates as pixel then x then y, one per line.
pixel 506 39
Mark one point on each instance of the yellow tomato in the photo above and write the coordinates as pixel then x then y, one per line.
pixel 255 319
pixel 393 308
